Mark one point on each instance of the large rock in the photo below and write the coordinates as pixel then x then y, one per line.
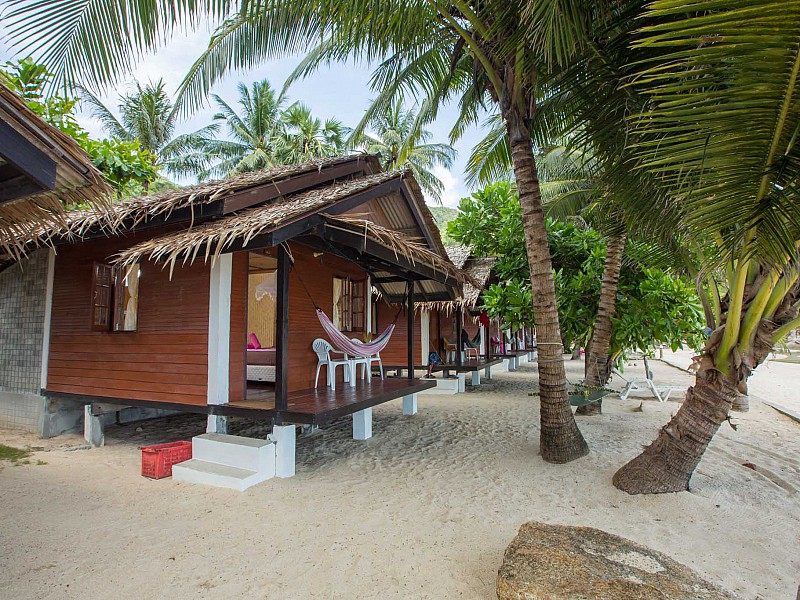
pixel 557 561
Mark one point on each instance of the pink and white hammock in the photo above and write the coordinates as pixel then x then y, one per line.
pixel 348 346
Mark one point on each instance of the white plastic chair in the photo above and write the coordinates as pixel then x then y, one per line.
pixel 367 362
pixel 324 349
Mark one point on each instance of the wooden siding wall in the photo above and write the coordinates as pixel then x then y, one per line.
pixel 304 328
pixel 237 375
pixel 165 360
pixel 396 352
pixel 261 313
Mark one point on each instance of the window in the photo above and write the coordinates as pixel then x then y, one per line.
pixel 115 297
pixel 349 304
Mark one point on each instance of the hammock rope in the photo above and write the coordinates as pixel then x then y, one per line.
pixel 344 343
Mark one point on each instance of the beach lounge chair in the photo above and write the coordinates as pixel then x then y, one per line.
pixel 662 393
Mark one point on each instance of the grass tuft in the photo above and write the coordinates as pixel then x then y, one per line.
pixel 12 454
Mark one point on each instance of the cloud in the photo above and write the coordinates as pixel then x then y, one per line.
pixel 454 188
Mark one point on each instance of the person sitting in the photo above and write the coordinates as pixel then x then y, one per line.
pixel 433 360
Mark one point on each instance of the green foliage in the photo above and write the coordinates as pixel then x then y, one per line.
pixel 652 306
pixel 12 454
pixel 443 215
pixel 124 163
pixel 511 302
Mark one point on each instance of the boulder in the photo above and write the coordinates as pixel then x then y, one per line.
pixel 546 562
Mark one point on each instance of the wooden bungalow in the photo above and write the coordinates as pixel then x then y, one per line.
pixel 42 171
pixel 155 308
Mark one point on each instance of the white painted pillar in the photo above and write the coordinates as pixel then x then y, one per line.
pixel 484 340
pixel 219 335
pixel 48 314
pixel 284 437
pixel 410 404
pixel 362 424
pixel 217 424
pixel 462 382
pixel 425 335
pixel 92 428
pixel 476 378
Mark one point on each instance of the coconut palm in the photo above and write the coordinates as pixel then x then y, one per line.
pixel 256 132
pixel 265 132
pixel 474 53
pixel 306 137
pixel 393 135
pixel 149 116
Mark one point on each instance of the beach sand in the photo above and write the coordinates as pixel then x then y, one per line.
pixel 424 509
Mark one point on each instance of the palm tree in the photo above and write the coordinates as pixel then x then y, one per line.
pixel 149 116
pixel 474 53
pixel 307 137
pixel 256 132
pixel 266 133
pixel 395 137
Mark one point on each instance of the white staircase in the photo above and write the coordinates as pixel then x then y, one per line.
pixel 228 461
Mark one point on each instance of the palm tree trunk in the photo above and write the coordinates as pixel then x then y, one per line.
pixel 598 357
pixel 667 464
pixel 560 439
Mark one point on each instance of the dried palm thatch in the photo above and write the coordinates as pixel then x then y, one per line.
pixel 77 180
pixel 132 212
pixel 403 245
pixel 458 255
pixel 213 238
pixel 480 269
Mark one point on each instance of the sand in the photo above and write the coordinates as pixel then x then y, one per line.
pixel 424 509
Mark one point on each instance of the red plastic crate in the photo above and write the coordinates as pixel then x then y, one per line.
pixel 157 460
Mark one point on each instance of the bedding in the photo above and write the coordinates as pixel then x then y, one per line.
pixel 262 356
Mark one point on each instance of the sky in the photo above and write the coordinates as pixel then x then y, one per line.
pixel 340 91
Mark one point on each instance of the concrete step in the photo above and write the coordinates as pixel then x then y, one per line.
pixel 235 451
pixel 447 386
pixel 217 475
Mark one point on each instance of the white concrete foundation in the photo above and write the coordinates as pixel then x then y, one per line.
pixel 362 424
pixel 217 424
pixel 284 437
pixel 476 378
pixel 92 428
pixel 462 382
pixel 410 404
pixel 444 387
pixel 501 367
pixel 488 373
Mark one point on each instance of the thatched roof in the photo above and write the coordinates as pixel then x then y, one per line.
pixel 213 238
pixel 458 254
pixel 478 268
pixel 77 179
pixel 402 245
pixel 131 212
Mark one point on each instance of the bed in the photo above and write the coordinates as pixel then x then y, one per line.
pixel 261 364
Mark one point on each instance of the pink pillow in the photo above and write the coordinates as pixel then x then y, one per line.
pixel 254 341
pixel 251 347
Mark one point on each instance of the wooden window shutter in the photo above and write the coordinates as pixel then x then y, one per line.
pixel 359 305
pixel 102 296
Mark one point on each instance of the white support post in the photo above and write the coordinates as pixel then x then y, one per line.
pixel 48 313
pixel 217 424
pixel 284 437
pixel 362 424
pixel 410 404
pixel 476 378
pixel 488 372
pixel 484 340
pixel 219 334
pixel 425 335
pixel 462 382
pixel 92 428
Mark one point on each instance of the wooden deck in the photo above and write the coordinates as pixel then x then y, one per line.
pixel 468 366
pixel 317 406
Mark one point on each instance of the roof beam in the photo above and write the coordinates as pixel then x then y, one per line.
pixel 31 162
